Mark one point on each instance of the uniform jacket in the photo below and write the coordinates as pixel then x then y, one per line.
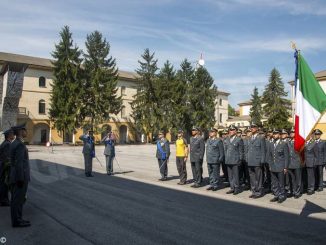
pixel 234 153
pixel 269 148
pixel 165 146
pixel 109 149
pixel 19 170
pixel 321 156
pixel 245 148
pixel 4 154
pixel 214 151
pixel 89 144
pixel 256 151
pixel 295 160
pixel 197 149
pixel 279 156
pixel 310 154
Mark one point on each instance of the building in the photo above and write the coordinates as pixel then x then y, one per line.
pixel 25 92
pixel 321 77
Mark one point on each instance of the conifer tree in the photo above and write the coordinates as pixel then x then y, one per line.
pixel 256 108
pixel 67 83
pixel 99 94
pixel 276 106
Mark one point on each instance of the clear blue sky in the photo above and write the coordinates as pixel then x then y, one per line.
pixel 241 40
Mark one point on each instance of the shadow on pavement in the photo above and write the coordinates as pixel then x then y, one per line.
pixel 65 207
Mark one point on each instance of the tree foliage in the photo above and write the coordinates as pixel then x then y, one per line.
pixel 256 108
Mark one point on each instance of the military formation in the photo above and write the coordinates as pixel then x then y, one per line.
pixel 262 161
pixel 14 173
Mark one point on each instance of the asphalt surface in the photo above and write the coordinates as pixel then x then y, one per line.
pixel 65 207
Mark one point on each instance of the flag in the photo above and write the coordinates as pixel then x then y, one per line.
pixel 310 102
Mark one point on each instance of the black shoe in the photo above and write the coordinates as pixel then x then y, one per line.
pixel 196 185
pixel 236 192
pixel 90 175
pixel 210 188
pixel 215 188
pixel 230 192
pixel 108 173
pixel 181 183
pixel 251 196
pixel 310 193
pixel 289 195
pixel 275 199
pixel 297 196
pixel 281 199
pixel 320 189
pixel 258 196
pixel 21 224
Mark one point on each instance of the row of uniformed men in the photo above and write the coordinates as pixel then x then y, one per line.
pixel 14 173
pixel 251 157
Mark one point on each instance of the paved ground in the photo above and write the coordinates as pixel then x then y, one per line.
pixel 133 207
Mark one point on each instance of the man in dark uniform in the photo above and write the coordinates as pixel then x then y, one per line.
pixel 244 173
pixel 294 171
pixel 266 170
pixel 88 152
pixel 321 159
pixel 278 166
pixel 109 152
pixel 162 155
pixel 233 158
pixel 5 166
pixel 285 138
pixel 256 159
pixel 19 176
pixel 197 151
pixel 214 158
pixel 310 157
pixel 225 135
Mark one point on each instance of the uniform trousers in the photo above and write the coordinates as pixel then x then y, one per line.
pixel 214 174
pixel 182 169
pixel 197 171
pixel 319 176
pixel 277 179
pixel 109 163
pixel 163 165
pixel 18 195
pixel 256 180
pixel 310 179
pixel 88 160
pixel 295 176
pixel 233 173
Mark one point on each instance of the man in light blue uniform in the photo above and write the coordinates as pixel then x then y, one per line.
pixel 109 152
pixel 88 152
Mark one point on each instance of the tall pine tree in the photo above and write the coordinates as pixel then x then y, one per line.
pixel 146 113
pixel 276 106
pixel 66 87
pixel 256 108
pixel 99 97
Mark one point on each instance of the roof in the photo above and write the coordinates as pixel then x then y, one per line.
pixel 247 102
pixel 47 63
pixel 223 92
pixel 320 76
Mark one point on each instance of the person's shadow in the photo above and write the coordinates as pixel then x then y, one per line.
pixel 311 208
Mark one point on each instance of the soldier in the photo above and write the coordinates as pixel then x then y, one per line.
pixel 278 166
pixel 181 157
pixel 244 173
pixel 197 151
pixel 225 135
pixel 285 138
pixel 256 159
pixel 88 152
pixel 321 159
pixel 5 166
pixel 310 157
pixel 233 158
pixel 266 170
pixel 214 158
pixel 109 152
pixel 162 155
pixel 19 176
pixel 294 170
pixel 239 133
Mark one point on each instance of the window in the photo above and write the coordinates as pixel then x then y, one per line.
pixel 221 117
pixel 41 82
pixel 41 107
pixel 123 112
pixel 123 90
pixel 221 102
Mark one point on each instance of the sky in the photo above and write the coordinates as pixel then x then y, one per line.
pixel 241 40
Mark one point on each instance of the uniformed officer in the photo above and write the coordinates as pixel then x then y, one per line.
pixel 88 151
pixel 244 173
pixel 197 151
pixel 239 132
pixel 19 176
pixel 225 135
pixel 285 138
pixel 181 157
pixel 109 152
pixel 321 159
pixel 233 157
pixel 310 158
pixel 214 158
pixel 294 171
pixel 256 159
pixel 5 166
pixel 278 166
pixel 162 155
pixel 266 169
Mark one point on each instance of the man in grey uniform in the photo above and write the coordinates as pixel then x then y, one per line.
pixel 88 152
pixel 5 166
pixel 197 151
pixel 109 152
pixel 19 176
pixel 234 154
pixel 294 171
pixel 278 165
pixel 256 159
pixel 310 158
pixel 214 158
pixel 162 155
pixel 321 159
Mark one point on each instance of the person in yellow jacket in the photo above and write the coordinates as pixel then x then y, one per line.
pixel 181 157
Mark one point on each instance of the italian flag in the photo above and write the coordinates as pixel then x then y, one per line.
pixel 310 102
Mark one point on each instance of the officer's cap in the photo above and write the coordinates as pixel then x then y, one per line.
pixel 253 125
pixel 212 130
pixel 318 132
pixel 270 130
pixel 195 128
pixel 180 131
pixel 292 130
pixel 232 127
pixel 19 127
pixel 276 131
pixel 239 131
pixel 224 132
pixel 8 131
pixel 261 131
pixel 284 131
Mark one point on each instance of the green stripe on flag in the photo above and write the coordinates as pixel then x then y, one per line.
pixel 310 87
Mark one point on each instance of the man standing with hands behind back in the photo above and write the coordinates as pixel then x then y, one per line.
pixel 197 151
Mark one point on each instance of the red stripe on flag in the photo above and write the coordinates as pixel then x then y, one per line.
pixel 299 141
